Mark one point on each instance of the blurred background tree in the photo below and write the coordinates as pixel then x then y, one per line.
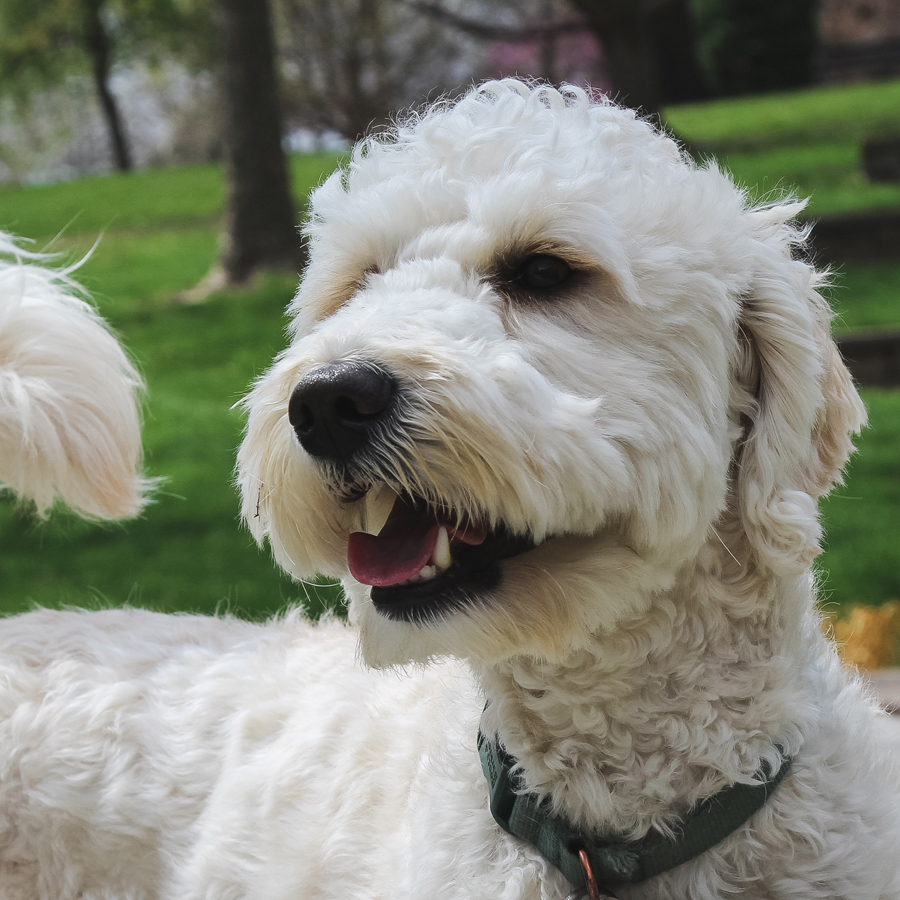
pixel 350 64
pixel 42 42
pixel 649 48
pixel 260 231
pixel 347 65
pixel 754 46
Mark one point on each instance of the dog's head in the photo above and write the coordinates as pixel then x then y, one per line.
pixel 537 356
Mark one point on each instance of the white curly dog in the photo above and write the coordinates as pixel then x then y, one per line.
pixel 557 409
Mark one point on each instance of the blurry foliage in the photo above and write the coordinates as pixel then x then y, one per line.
pixel 754 46
pixel 349 64
pixel 625 29
pixel 43 41
pixel 867 637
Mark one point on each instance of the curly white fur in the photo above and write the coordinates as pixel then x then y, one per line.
pixel 662 429
pixel 69 418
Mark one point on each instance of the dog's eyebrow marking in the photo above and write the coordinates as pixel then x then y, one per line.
pixel 516 254
pixel 327 301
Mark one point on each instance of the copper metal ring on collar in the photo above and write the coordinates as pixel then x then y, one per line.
pixel 594 891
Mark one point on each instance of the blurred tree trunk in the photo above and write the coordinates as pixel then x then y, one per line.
pixel 261 227
pixel 97 44
pixel 680 76
pixel 651 53
pixel 633 34
pixel 624 29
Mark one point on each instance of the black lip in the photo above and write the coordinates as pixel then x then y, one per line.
pixel 471 579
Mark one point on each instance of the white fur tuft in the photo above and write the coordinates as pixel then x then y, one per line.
pixel 69 420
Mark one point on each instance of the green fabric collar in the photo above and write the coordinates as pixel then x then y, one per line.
pixel 615 862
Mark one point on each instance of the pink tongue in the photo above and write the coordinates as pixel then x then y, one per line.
pixel 403 548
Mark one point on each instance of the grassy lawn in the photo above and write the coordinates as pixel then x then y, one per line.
pixel 159 236
pixel 866 297
pixel 154 199
pixel 808 142
pixel 188 551
pixel 861 563
pixel 829 175
pixel 803 117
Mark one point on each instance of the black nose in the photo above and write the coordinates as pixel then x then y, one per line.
pixel 335 408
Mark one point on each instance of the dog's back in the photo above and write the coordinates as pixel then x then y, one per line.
pixel 191 754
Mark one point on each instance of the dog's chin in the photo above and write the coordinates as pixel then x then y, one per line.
pixel 464 632
pixel 470 581
pixel 451 614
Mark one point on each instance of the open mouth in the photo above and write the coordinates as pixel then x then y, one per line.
pixel 422 562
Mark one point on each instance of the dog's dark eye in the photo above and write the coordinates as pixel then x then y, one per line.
pixel 542 272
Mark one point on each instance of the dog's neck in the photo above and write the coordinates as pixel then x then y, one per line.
pixel 639 725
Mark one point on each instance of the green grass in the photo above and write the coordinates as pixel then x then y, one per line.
pixel 866 297
pixel 133 272
pixel 180 197
pixel 810 116
pixel 862 518
pixel 160 235
pixel 808 142
pixel 154 198
pixel 829 175
pixel 188 551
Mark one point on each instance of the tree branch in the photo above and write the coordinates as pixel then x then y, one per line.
pixel 487 32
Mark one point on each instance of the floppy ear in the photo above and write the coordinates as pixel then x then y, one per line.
pixel 794 396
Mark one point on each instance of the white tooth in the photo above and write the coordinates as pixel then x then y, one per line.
pixel 441 556
pixel 426 572
pixel 379 502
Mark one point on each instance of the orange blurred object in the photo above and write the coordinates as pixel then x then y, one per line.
pixel 870 637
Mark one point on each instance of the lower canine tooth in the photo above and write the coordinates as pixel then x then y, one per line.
pixel 427 572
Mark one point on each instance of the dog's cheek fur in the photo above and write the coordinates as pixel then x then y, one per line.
pixel 657 371
pixel 283 496
pixel 548 604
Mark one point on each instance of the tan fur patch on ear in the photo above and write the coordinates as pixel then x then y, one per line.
pixel 842 415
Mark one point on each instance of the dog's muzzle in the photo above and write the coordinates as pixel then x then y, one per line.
pixel 336 408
